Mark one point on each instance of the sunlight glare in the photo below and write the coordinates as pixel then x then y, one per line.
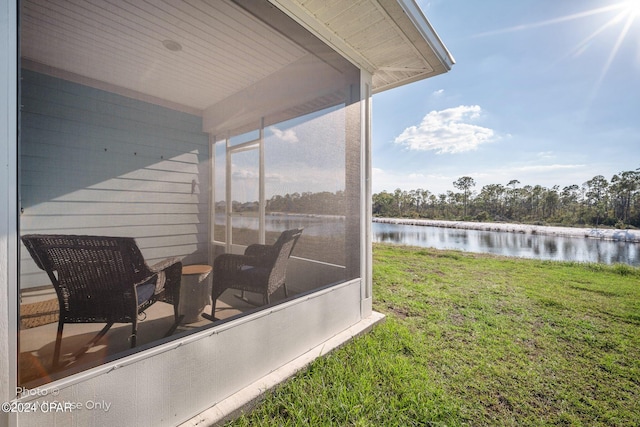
pixel 632 8
pixel 625 16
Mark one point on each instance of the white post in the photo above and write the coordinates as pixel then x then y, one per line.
pixel 8 204
pixel 262 202
pixel 366 262
pixel 227 190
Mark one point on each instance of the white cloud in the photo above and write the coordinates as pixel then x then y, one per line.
pixel 244 173
pixel 385 180
pixel 288 135
pixel 447 131
pixel 302 178
pixel 546 155
pixel 548 168
pixel 438 92
pixel 438 183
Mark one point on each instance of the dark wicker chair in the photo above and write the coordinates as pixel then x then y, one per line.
pixel 101 279
pixel 262 269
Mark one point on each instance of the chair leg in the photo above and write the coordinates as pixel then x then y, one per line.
pixel 56 351
pixel 244 299
pixel 134 332
pixel 178 319
pixel 211 316
pixel 93 341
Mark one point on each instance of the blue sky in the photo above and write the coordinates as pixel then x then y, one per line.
pixel 543 91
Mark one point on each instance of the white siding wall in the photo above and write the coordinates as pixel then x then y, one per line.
pixel 94 162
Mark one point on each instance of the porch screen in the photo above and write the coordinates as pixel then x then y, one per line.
pixel 157 137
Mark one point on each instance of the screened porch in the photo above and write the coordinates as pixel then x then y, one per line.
pixel 196 128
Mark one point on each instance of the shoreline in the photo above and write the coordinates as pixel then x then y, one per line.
pixel 630 236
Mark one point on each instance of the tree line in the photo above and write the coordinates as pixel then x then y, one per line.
pixel 614 202
pixel 318 203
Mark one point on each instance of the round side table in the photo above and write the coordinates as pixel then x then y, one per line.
pixel 195 291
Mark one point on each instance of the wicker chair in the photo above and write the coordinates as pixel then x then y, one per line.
pixel 262 269
pixel 102 279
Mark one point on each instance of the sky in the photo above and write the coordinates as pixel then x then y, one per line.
pixel 546 92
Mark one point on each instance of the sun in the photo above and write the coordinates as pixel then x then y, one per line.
pixel 620 15
pixel 632 8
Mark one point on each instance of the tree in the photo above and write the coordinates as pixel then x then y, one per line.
pixel 465 184
pixel 596 194
pixel 402 200
pixel 512 196
pixel 383 204
pixel 491 197
pixel 597 201
pixel 624 187
pixel 550 202
pixel 569 199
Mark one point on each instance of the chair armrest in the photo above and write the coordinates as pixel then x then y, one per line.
pixel 164 264
pixel 231 263
pixel 169 274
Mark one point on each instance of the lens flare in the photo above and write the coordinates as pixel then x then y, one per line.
pixel 624 18
pixel 632 7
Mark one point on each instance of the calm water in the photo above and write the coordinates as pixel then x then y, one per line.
pixel 320 225
pixel 502 243
pixel 510 244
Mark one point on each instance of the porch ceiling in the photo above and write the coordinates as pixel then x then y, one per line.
pixel 222 48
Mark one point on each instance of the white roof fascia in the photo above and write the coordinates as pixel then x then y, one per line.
pixel 401 13
pixel 414 13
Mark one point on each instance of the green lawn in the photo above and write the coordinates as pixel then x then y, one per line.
pixel 474 340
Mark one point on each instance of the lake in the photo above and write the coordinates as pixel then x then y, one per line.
pixel 516 244
pixel 523 245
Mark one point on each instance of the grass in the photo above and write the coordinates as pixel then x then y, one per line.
pixel 476 340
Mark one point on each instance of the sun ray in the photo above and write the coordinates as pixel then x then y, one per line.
pixel 628 11
pixel 561 19
pixel 580 46
pixel 616 47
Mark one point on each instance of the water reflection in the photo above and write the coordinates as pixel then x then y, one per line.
pixel 510 244
pixel 314 225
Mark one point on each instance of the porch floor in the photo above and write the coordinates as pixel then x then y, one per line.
pixel 37 344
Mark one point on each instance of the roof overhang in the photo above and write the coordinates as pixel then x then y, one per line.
pixel 391 39
pixel 195 55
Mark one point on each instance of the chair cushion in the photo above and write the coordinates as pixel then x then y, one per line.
pixel 146 291
pixel 254 274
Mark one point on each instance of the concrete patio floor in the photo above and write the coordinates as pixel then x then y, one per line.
pixel 37 344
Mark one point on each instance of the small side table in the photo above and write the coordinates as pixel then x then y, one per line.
pixel 195 291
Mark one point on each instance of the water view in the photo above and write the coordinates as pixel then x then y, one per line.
pixel 525 245
pixel 535 246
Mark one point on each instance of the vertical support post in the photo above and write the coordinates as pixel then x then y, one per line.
pixel 9 245
pixel 228 205
pixel 261 197
pixel 212 196
pixel 353 182
pixel 366 263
